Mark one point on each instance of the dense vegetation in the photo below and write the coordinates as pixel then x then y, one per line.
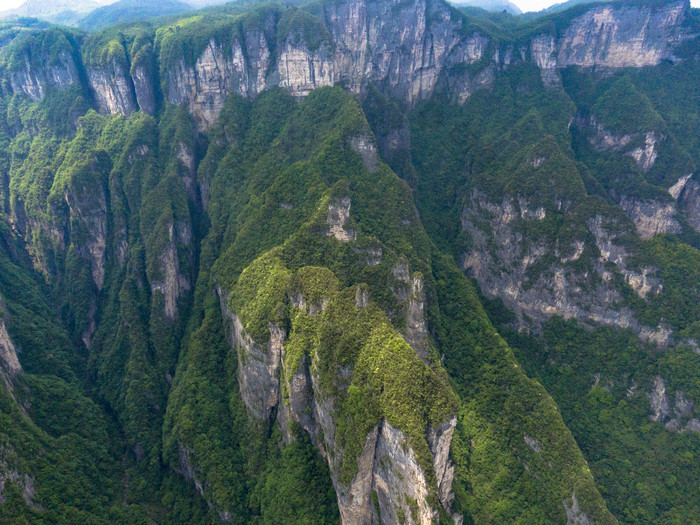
pixel 130 10
pixel 130 247
pixel 600 380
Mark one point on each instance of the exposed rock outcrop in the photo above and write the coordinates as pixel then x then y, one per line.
pixel 574 514
pixel 390 485
pixel 602 139
pixel 543 52
pixel 681 417
pixel 338 215
pixel 34 80
pixel 500 260
pixel 645 157
pixel 88 207
pixel 622 35
pixel 687 192
pixel 113 88
pixel 440 440
pixel 651 217
pixel 204 86
pixel 173 283
pixel 409 51
pixel 144 89
pixel 660 407
pixel 364 146
pixel 416 327
pixel 23 481
pixel 9 363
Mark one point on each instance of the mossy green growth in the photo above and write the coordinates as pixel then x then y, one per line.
pixel 112 51
pixel 298 26
pixel 389 380
pixel 259 296
pixel 38 49
pixel 623 109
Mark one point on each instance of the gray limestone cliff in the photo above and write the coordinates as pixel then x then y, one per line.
pixel 620 35
pixel 167 278
pixel 35 80
pixel 500 260
pixel 687 193
pixel 390 485
pixel 9 363
pixel 113 88
pixel 678 418
pixel 144 89
pixel 409 51
pixel 651 217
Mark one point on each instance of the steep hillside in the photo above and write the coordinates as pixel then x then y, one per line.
pixel 357 261
pixel 66 12
pixel 128 11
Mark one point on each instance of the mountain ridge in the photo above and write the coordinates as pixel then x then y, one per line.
pixel 304 65
pixel 367 262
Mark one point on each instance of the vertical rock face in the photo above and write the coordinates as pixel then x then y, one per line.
pixel 87 227
pixel 187 157
pixel 144 89
pixel 403 47
pixel 416 328
pixel 651 217
pixel 500 258
pixel 218 72
pixel 88 206
pixel 301 71
pixel 411 50
pixel 34 81
pixel 338 215
pixel 687 192
pixel 258 365
pixel 408 51
pixel 543 49
pixel 390 485
pixel 623 36
pixel 388 468
pixel 173 283
pixel 440 440
pixel 113 88
pixel 9 364
pixel 399 481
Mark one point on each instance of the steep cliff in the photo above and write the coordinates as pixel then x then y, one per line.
pixel 367 261
pixel 387 468
pixel 623 36
pixel 8 357
pixel 331 333
pixel 37 61
pixel 356 44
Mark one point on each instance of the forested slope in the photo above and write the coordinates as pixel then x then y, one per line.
pixel 359 262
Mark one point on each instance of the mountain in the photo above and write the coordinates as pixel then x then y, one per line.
pixel 128 11
pixel 206 3
pixel 493 5
pixel 61 12
pixel 563 6
pixel 352 261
